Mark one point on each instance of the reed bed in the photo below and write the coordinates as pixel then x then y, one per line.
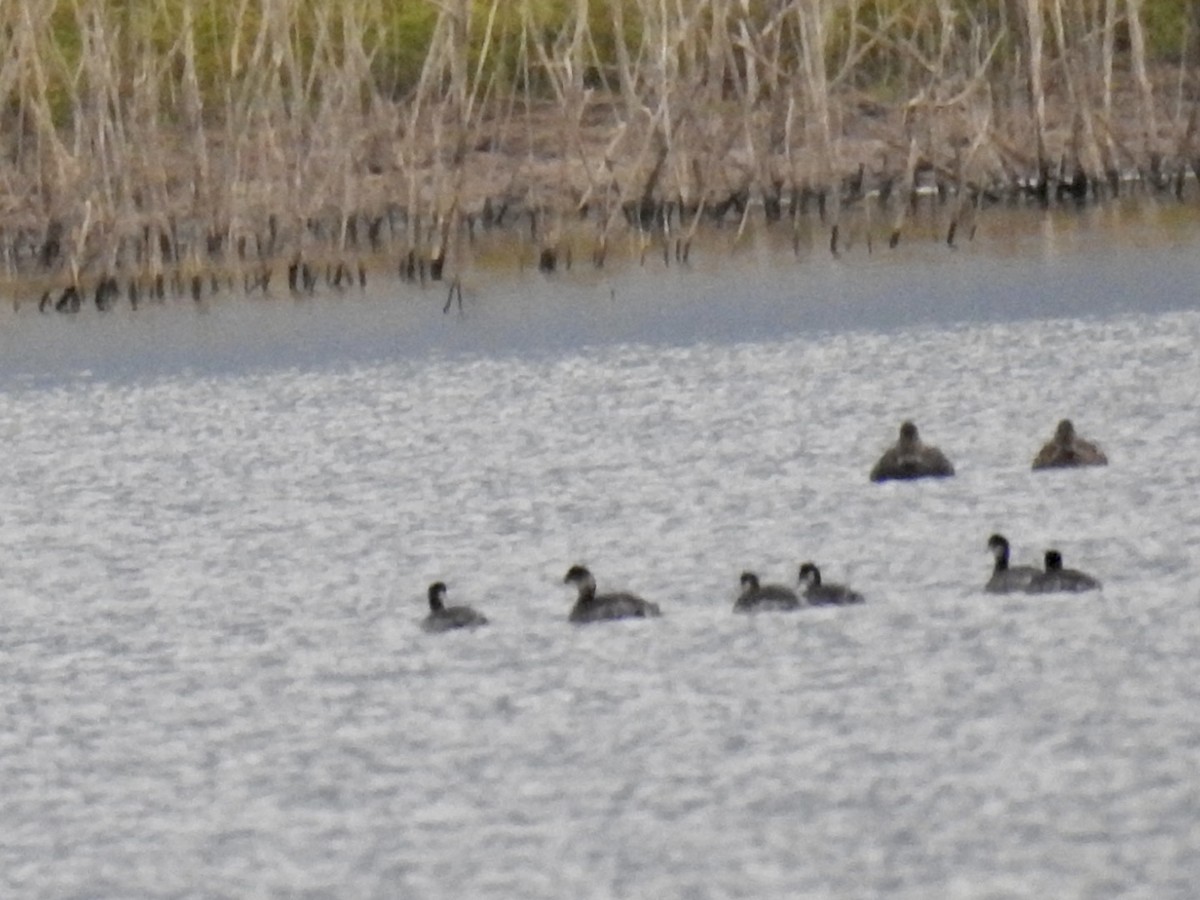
pixel 180 147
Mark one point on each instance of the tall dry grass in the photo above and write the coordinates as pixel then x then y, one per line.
pixel 166 140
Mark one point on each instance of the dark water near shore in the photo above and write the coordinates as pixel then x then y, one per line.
pixel 219 524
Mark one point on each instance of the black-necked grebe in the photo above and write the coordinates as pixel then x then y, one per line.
pixel 447 618
pixel 593 607
pixel 818 594
pixel 1056 578
pixel 757 597
pixel 1005 578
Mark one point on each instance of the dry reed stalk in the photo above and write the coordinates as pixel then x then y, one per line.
pixel 811 18
pixel 618 193
pixel 1034 40
pixel 755 48
pixel 1137 58
pixel 908 198
pixel 562 64
pixel 1085 148
pixel 624 64
pixel 52 160
pixel 457 118
pixel 353 73
pixel 424 113
pixel 967 192
pixel 141 149
pixel 1091 33
pixel 1107 41
pixel 1186 148
pixel 193 113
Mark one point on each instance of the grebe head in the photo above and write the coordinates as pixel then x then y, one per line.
pixel 437 596
pixel 749 581
pixel 999 546
pixel 810 575
pixel 1065 433
pixel 908 434
pixel 1053 561
pixel 580 577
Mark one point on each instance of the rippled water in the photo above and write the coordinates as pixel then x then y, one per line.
pixel 219 528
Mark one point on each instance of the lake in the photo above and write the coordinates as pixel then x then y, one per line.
pixel 220 522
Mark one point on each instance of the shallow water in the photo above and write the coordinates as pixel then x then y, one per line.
pixel 219 527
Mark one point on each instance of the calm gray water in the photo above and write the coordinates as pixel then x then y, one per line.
pixel 219 526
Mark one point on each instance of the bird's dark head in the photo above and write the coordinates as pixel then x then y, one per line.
pixel 576 575
pixel 437 595
pixel 582 579
pixel 810 574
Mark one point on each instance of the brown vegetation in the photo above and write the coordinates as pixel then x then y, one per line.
pixel 130 170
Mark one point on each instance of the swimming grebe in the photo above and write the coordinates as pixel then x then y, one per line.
pixel 1056 578
pixel 818 594
pixel 1005 578
pixel 593 607
pixel 447 618
pixel 763 598
pixel 909 458
pixel 1066 449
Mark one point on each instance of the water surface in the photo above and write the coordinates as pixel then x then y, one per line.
pixel 219 526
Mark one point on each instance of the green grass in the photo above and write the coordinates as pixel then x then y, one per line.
pixel 1173 30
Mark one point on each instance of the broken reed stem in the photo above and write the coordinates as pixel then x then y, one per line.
pixel 1137 57
pixel 1034 34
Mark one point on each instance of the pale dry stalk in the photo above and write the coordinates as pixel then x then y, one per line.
pixel 1137 59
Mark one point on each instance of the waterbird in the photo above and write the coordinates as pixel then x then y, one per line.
pixel 757 597
pixel 447 618
pixel 1056 578
pixel 818 594
pixel 593 607
pixel 910 458
pixel 1067 450
pixel 1005 578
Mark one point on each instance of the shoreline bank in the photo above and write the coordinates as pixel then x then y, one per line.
pixel 507 253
